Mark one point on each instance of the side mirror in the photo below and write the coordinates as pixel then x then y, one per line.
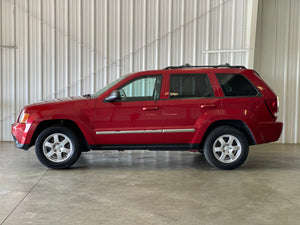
pixel 114 96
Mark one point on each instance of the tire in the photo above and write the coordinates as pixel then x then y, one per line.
pixel 226 148
pixel 57 147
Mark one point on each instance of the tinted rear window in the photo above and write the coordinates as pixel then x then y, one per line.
pixel 190 86
pixel 236 85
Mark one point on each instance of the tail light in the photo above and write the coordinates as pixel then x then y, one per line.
pixel 273 106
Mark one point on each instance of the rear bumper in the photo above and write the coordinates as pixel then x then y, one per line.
pixel 269 132
pixel 21 135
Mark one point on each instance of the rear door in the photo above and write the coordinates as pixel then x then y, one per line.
pixel 190 100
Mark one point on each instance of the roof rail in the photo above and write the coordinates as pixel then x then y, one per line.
pixel 226 65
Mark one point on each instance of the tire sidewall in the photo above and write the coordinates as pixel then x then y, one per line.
pixel 39 147
pixel 213 136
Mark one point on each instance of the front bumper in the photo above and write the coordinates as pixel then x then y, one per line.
pixel 21 135
pixel 19 145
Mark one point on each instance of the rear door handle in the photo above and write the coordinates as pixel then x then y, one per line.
pixel 149 108
pixel 206 106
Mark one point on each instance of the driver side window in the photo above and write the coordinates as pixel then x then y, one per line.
pixel 142 89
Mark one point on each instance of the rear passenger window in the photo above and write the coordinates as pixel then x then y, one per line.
pixel 236 85
pixel 190 86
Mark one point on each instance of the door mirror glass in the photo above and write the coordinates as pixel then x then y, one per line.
pixel 114 96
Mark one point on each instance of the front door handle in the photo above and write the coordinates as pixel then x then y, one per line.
pixel 149 108
pixel 206 106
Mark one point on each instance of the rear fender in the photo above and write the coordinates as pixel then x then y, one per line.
pixel 203 132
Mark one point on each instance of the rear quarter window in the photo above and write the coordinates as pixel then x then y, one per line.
pixel 236 85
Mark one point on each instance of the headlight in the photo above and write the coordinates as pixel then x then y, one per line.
pixel 23 117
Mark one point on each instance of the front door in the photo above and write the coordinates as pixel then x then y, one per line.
pixel 136 119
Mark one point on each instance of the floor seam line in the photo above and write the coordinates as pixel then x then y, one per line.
pixel 19 203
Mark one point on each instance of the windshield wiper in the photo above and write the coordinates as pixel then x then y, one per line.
pixel 87 95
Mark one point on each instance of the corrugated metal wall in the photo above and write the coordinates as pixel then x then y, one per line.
pixel 277 58
pixel 57 48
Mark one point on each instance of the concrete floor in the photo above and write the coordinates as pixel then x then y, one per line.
pixel 143 187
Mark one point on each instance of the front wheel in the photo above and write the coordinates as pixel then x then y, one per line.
pixel 57 147
pixel 226 148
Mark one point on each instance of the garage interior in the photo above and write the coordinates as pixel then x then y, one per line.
pixel 53 49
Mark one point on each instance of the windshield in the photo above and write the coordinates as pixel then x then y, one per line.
pixel 101 91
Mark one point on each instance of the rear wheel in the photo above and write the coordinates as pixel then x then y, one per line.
pixel 226 148
pixel 57 147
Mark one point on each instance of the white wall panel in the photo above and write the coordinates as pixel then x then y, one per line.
pixel 113 39
pixel 61 46
pixel 48 48
pixel 35 84
pixel 1 79
pixel 87 47
pixel 101 62
pixel 22 55
pixel 277 58
pixel 72 47
pixel 151 37
pixel 75 45
pixel 165 33
pixel 8 68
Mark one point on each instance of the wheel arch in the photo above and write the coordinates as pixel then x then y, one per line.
pixel 238 124
pixel 61 122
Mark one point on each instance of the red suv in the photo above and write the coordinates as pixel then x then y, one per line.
pixel 218 110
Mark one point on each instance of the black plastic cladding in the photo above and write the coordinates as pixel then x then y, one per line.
pixel 226 65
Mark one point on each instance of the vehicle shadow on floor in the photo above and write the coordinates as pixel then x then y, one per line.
pixel 142 160
pixel 150 160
